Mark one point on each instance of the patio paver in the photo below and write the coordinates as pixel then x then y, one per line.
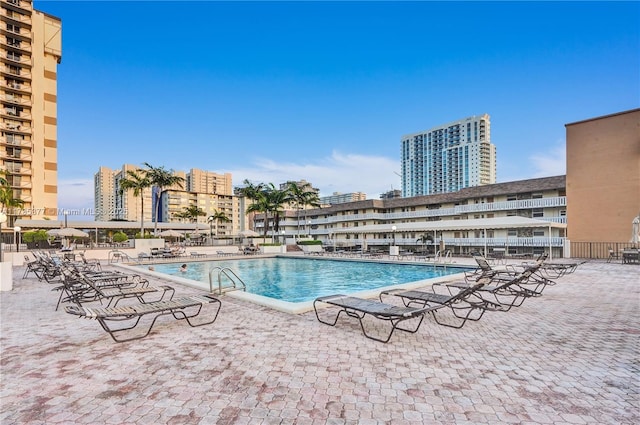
pixel 568 357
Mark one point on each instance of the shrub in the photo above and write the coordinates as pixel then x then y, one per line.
pixel 310 242
pixel 119 237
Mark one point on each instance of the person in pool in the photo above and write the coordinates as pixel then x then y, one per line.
pixel 183 268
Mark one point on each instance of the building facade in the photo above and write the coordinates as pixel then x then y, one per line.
pixel 448 158
pixel 210 192
pixel 31 49
pixel 542 199
pixel 341 198
pixel 208 182
pixel 603 178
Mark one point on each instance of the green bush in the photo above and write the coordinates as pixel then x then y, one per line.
pixel 309 242
pixel 271 244
pixel 119 237
pixel 35 236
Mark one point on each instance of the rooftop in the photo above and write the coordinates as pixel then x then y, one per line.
pixel 568 357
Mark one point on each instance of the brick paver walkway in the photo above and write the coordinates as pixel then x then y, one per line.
pixel 568 357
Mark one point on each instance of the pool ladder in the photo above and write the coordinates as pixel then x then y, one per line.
pixel 236 282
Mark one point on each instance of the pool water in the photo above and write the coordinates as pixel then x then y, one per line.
pixel 301 279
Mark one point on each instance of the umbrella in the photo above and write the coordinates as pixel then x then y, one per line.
pixel 248 234
pixel 171 234
pixel 68 232
pixel 635 230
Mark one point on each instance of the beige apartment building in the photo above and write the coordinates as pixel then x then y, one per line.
pixel 603 177
pixel 528 216
pixel 31 49
pixel 209 191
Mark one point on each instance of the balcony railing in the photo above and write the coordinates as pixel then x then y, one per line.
pixel 21 87
pixel 15 16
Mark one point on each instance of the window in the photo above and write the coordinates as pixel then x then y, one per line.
pixel 537 212
pixel 538 233
pixel 512 232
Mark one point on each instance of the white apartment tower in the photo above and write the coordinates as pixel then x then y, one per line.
pixel 448 158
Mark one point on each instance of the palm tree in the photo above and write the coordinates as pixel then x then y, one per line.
pixel 425 238
pixel 192 212
pixel 8 201
pixel 276 200
pixel 260 204
pixel 303 196
pixel 137 182
pixel 162 179
pixel 215 218
pixel 252 192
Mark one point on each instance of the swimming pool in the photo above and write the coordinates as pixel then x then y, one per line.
pixel 297 280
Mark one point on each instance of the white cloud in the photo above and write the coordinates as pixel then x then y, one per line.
pixel 339 172
pixel 552 163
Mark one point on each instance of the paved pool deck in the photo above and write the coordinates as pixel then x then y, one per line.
pixel 571 356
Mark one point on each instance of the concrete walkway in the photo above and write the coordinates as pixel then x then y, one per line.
pixel 569 357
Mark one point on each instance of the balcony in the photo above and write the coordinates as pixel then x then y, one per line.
pixel 20 185
pixel 22 128
pixel 16 72
pixel 16 115
pixel 16 142
pixel 21 18
pixel 19 5
pixel 21 171
pixel 15 86
pixel 22 46
pixel 22 60
pixel 16 100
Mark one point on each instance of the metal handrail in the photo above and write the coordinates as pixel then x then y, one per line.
pixel 225 271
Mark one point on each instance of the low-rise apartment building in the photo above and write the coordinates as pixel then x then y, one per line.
pixel 541 199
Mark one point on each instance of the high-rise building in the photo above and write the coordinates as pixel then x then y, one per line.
pixel 210 192
pixel 111 203
pixel 30 50
pixel 448 157
pixel 342 198
pixel 208 182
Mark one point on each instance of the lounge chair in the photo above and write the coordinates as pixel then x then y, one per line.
pixel 180 308
pixel 81 289
pixel 34 267
pixel 466 301
pixel 502 291
pixel 359 308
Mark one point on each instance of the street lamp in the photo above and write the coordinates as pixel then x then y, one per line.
pixel 283 239
pixel 394 228
pixel 308 228
pixel 16 237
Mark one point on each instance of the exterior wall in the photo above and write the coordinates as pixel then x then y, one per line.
pixel 448 158
pixel 31 49
pixel 603 177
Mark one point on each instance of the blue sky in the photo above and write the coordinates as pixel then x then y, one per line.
pixel 323 91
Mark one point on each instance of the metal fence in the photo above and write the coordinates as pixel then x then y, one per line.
pixel 598 250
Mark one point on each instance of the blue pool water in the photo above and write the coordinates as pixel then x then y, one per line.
pixel 302 279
